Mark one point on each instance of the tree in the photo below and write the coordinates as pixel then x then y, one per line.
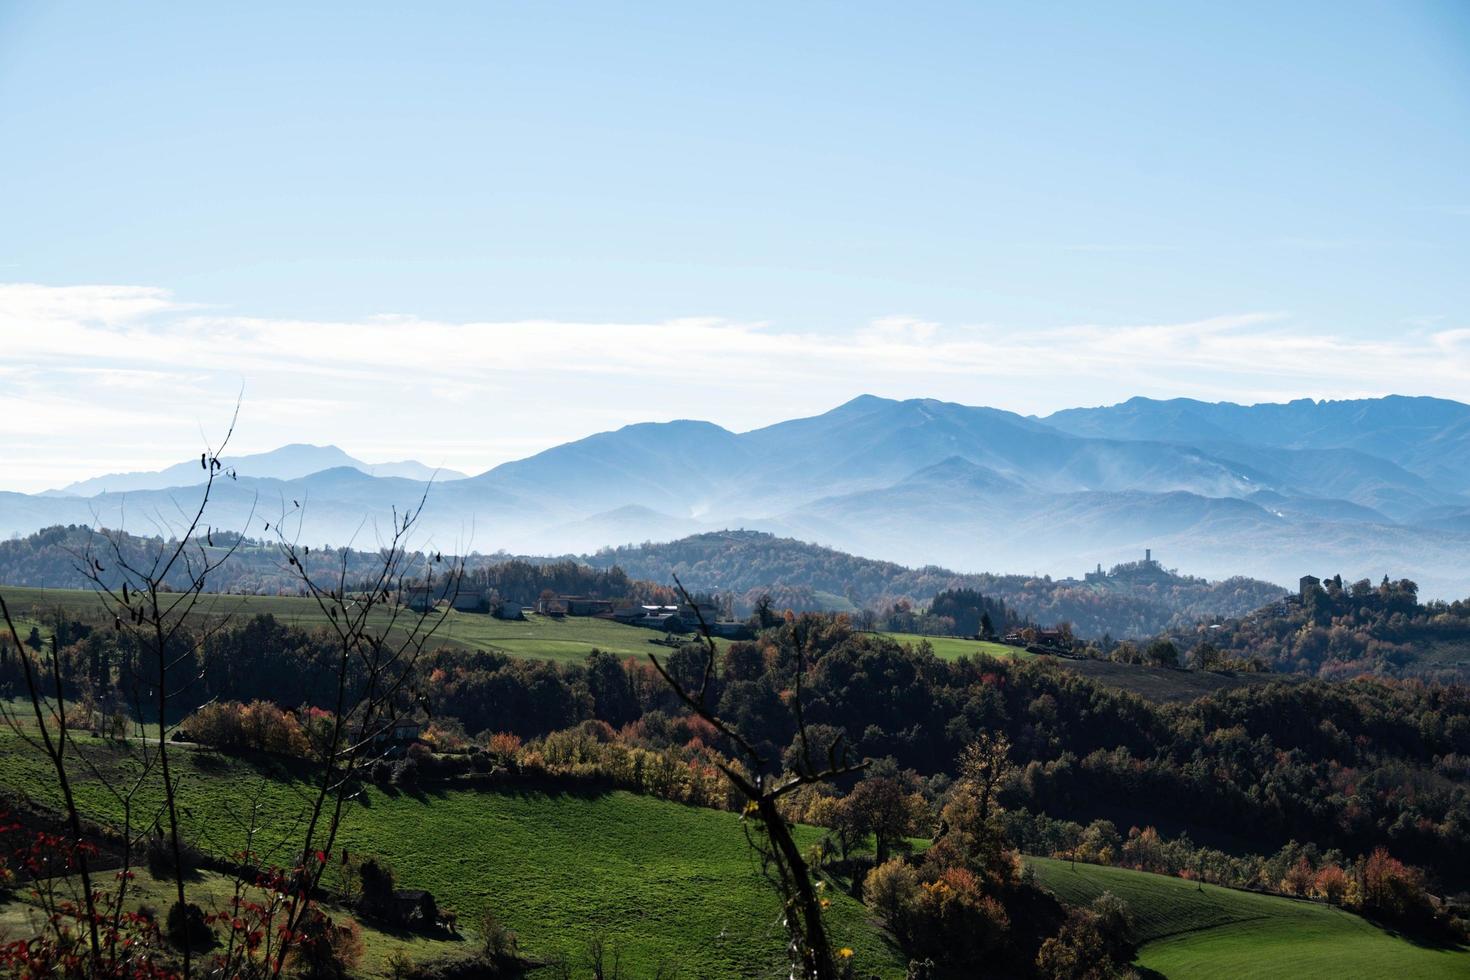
pixel 1163 652
pixel 984 765
pixel 844 824
pixel 1299 877
pixel 1318 605
pixel 1390 886
pixel 743 661
pixel 892 889
pixel 971 833
pixel 880 805
pixel 809 949
pixel 1078 952
pixel 1116 922
pixel 611 689
pixel 1331 884
pixel 764 613
pixel 377 889
pixel 1207 656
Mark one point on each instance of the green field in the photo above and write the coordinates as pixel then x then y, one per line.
pixel 955 647
pixel 1154 683
pixel 569 638
pixel 663 882
pixel 1188 932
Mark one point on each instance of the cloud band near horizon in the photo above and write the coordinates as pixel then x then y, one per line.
pixel 99 378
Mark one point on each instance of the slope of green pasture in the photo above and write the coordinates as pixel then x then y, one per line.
pixel 568 638
pixel 1188 932
pixel 955 647
pixel 832 602
pixel 661 881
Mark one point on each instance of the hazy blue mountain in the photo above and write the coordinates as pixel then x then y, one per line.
pixel 1318 508
pixel 1365 488
pixel 1364 423
pixel 1444 518
pixel 1340 474
pixel 624 524
pixel 411 469
pixel 872 442
pixel 671 467
pixel 286 463
pixel 1426 436
pixel 938 515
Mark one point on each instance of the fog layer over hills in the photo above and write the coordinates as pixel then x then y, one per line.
pixel 1364 488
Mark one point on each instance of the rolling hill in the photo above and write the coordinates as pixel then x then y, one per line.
pixel 662 882
pixel 1129 600
pixel 1188 931
pixel 666 883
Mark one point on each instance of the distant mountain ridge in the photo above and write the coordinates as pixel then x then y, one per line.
pixel 286 463
pixel 1369 487
pixel 1427 436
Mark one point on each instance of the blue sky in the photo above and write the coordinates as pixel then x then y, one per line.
pixel 822 174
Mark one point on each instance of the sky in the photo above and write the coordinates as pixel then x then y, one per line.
pixel 463 233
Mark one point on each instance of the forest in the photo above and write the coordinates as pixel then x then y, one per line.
pixel 1318 762
pixel 1335 629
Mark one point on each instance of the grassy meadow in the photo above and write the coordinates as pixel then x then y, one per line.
pixel 1191 932
pixel 568 638
pixel 661 881
pixel 955 647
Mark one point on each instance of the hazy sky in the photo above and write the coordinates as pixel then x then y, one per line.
pixel 466 232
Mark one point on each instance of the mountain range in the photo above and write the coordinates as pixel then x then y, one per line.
pixel 1364 487
pixel 286 463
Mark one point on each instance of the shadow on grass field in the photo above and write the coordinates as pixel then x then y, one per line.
pixel 1192 931
pixel 661 882
pixel 666 883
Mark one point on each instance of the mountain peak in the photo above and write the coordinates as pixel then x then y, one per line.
pixel 289 462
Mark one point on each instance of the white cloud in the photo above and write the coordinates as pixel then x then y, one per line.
pixel 99 378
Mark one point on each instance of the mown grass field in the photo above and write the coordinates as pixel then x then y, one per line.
pixel 1188 932
pixel 955 647
pixel 662 882
pixel 568 638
